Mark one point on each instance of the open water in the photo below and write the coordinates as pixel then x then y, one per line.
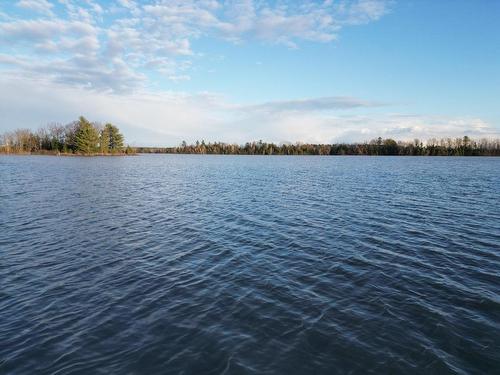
pixel 191 264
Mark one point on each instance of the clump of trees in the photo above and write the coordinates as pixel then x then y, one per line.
pixel 78 137
pixel 444 147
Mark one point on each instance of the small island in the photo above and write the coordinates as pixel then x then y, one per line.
pixel 80 137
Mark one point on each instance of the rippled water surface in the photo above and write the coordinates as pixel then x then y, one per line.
pixel 249 265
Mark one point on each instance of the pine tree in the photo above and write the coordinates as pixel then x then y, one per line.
pixel 115 138
pixel 104 140
pixel 86 137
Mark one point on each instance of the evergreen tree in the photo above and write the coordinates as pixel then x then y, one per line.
pixel 104 140
pixel 115 143
pixel 86 137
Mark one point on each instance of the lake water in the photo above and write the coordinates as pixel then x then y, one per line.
pixel 197 264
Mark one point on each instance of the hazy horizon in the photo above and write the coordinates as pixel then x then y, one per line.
pixel 238 71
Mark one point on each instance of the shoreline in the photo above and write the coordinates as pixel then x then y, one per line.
pixel 221 154
pixel 441 156
pixel 65 154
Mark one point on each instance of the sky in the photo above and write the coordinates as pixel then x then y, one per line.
pixel 324 71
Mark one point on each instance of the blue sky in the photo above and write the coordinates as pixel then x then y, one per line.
pixel 282 71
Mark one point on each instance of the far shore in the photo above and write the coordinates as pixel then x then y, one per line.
pixel 66 154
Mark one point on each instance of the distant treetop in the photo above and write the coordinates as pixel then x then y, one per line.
pixel 433 147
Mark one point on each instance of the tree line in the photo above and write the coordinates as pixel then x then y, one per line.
pixel 433 147
pixel 78 137
pixel 92 138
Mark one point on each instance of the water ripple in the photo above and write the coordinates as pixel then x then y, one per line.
pixel 227 265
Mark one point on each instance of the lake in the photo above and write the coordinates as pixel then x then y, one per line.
pixel 200 264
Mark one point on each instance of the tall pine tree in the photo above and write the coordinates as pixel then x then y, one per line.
pixel 86 136
pixel 115 143
pixel 104 140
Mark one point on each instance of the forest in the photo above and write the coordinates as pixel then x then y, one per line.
pixel 80 137
pixel 433 147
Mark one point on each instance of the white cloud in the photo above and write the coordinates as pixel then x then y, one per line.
pixel 289 23
pixel 41 6
pixel 364 11
pixel 33 31
pixel 130 37
pixel 80 71
pixel 130 4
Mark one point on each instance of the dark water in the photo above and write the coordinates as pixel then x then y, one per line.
pixel 249 265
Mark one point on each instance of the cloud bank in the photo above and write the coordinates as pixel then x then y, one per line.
pixel 167 118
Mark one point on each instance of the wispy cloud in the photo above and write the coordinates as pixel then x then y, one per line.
pixel 100 47
pixel 40 6
pixel 313 105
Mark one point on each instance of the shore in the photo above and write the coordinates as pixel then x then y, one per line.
pixel 65 154
pixel 50 153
